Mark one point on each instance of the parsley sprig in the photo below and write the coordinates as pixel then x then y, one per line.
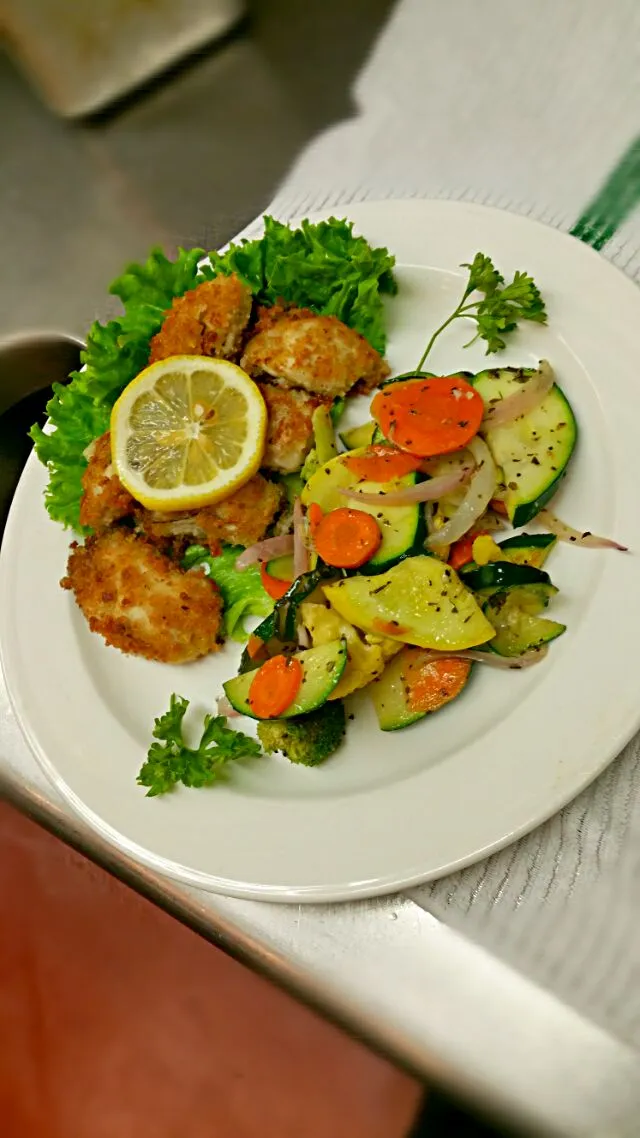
pixel 497 311
pixel 170 761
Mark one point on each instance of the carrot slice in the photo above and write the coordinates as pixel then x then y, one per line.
pixel 347 538
pixel 275 686
pixel 461 552
pixel 254 646
pixel 382 464
pixel 431 684
pixel 429 416
pixel 273 586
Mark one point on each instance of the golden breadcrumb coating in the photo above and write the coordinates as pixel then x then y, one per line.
pixel 241 519
pixel 317 353
pixel 290 429
pixel 104 498
pixel 268 314
pixel 140 601
pixel 207 321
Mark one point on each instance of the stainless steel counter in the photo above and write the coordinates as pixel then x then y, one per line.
pixel 394 976
pixel 192 162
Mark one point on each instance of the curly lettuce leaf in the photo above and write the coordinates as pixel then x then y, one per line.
pixel 242 592
pixel 115 353
pixel 319 266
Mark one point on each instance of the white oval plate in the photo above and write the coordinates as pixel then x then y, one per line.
pixel 389 810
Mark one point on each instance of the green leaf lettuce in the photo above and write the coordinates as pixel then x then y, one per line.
pixel 116 352
pixel 318 266
pixel 242 592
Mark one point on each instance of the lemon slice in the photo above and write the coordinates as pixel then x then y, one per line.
pixel 187 431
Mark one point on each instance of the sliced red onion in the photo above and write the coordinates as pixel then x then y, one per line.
pixel 265 550
pixel 431 466
pixel 491 523
pixel 430 509
pixel 429 491
pixel 567 533
pixel 491 658
pixel 529 396
pixel 300 551
pixel 225 708
pixel 475 502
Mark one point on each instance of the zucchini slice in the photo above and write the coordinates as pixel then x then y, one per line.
pixel 501 575
pixel 281 567
pixel 421 601
pixel 403 527
pixel 357 437
pixel 390 697
pixel 415 375
pixel 529 548
pixel 532 451
pixel 391 693
pixel 515 615
pixel 279 628
pixel 321 671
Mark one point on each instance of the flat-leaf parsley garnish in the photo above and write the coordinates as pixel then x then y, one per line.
pixel 170 761
pixel 497 311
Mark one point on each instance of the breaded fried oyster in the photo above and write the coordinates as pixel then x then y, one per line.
pixel 140 601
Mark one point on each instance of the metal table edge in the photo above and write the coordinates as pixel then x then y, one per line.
pixel 446 1011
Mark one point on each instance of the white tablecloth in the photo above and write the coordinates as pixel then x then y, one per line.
pixel 528 108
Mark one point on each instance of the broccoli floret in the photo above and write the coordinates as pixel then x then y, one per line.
pixel 307 739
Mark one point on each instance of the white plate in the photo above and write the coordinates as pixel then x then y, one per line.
pixel 389 810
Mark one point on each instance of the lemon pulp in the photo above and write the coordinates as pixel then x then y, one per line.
pixel 187 431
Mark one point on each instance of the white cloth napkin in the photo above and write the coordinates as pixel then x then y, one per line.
pixel 528 108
